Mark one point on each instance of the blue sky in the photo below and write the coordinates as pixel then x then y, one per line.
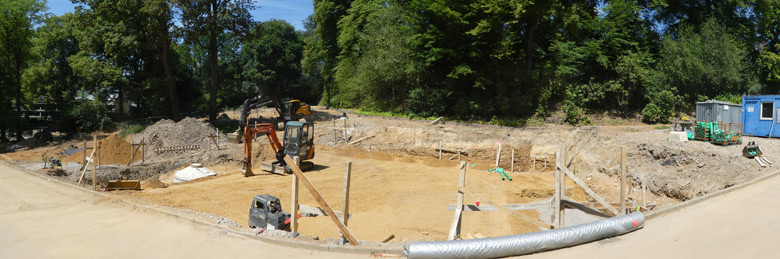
pixel 292 11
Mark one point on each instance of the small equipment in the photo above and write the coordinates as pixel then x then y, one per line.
pixel 266 212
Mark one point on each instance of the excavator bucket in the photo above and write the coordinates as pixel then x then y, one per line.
pixel 751 149
pixel 123 185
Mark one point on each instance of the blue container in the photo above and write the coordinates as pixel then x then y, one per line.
pixel 760 115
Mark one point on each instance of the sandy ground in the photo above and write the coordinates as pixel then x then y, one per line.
pixel 390 194
pixel 739 224
pixel 400 187
pixel 40 219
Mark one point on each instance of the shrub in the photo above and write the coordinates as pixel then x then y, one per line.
pixel 132 130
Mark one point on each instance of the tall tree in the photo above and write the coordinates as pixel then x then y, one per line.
pixel 205 23
pixel 271 60
pixel 322 50
pixel 159 26
pixel 17 21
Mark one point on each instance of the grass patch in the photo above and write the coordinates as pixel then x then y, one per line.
pixel 132 130
pixel 392 114
pixel 660 127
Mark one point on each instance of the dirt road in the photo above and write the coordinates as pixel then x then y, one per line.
pixel 40 219
pixel 739 224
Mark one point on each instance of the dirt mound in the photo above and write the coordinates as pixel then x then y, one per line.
pixel 187 132
pixel 113 150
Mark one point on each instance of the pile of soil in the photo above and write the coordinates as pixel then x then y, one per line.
pixel 113 150
pixel 187 132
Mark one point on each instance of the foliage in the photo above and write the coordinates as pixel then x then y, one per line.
pixel 90 115
pixel 132 130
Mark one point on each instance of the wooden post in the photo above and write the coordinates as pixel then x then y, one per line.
pixel 439 149
pixel 94 165
pixel 345 129
pixel 335 136
pixel 513 160
pixel 323 204
pixel 555 221
pixel 622 180
pixel 294 202
pixel 345 206
pixel 498 154
pixel 456 221
pixel 143 151
pixel 562 190
pixel 84 159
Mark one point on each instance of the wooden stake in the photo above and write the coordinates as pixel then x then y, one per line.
pixel 94 165
pixel 562 189
pixel 456 220
pixel 622 180
pixel 335 136
pixel 644 189
pixel 498 154
pixel 323 204
pixel 513 160
pixel 345 130
pixel 294 202
pixel 345 206
pixel 589 191
pixel 439 149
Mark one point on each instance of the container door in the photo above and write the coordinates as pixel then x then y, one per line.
pixel 752 119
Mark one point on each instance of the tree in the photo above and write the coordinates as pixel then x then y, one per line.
pixel 17 20
pixel 204 23
pixel 271 60
pixel 159 26
pixel 322 50
pixel 50 79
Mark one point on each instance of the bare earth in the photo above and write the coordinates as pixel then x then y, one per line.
pixel 739 224
pixel 40 219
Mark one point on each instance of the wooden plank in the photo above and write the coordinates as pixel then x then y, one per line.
pixel 488 207
pixel 766 160
pixel 85 166
pixel 531 220
pixel 388 238
pixel 622 180
pixel 583 208
pixel 598 206
pixel 294 203
pixel 94 165
pixel 297 171
pixel 453 157
pixel 465 153
pixel 345 206
pixel 758 159
pixel 513 161
pixel 319 211
pixel 455 227
pixel 436 121
pixel 555 219
pixel 498 154
pixel 456 223
pixel 589 191
pixel 360 140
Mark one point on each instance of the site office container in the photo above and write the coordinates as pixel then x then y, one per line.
pixel 760 115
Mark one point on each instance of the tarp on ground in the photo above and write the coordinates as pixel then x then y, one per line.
pixel 191 173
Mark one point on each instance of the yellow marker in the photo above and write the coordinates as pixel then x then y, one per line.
pixel 637 208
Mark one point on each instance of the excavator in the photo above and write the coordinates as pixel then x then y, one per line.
pixel 298 141
pixel 292 110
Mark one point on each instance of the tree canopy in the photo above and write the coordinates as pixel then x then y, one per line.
pixel 501 61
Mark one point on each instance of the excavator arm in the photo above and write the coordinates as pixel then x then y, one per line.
pixel 249 133
pixel 252 103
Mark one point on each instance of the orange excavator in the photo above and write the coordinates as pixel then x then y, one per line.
pixel 298 141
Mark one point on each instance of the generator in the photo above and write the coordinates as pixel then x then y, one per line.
pixel 266 212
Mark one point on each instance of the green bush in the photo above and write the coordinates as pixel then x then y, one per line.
pixel 132 130
pixel 651 113
pixel 427 102
pixel 90 115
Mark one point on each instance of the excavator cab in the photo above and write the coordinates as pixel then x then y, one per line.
pixel 299 141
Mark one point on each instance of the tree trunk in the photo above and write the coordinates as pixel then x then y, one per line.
pixel 169 79
pixel 213 51
pixel 18 84
pixel 213 74
pixel 529 45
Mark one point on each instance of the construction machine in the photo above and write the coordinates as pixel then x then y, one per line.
pixel 298 141
pixel 266 212
pixel 292 110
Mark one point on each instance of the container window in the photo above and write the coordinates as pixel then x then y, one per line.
pixel 766 110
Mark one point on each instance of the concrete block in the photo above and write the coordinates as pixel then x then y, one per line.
pixel 677 136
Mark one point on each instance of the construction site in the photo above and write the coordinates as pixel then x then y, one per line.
pixel 400 181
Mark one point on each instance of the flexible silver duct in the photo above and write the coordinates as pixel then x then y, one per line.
pixel 526 243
